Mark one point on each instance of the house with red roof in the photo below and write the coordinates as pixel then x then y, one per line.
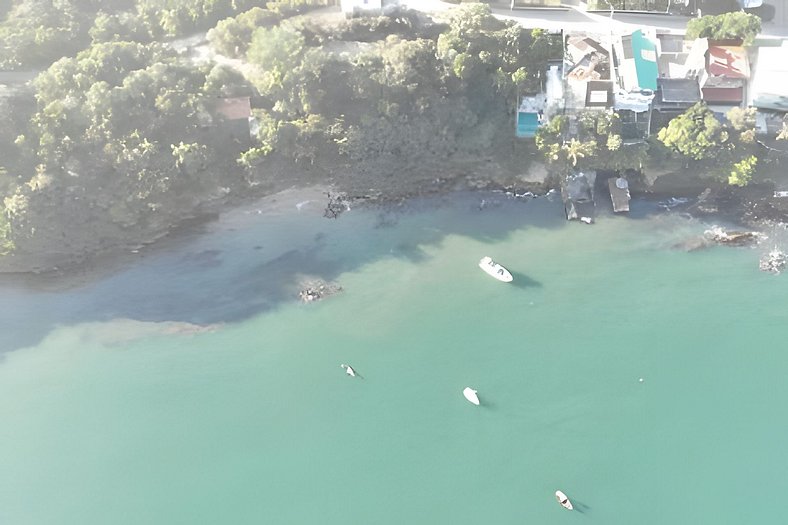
pixel 232 117
pixel 724 79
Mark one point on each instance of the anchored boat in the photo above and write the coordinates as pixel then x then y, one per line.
pixel 563 500
pixel 493 269
pixel 470 395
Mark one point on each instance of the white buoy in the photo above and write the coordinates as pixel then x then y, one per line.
pixel 470 395
pixel 641 379
pixel 349 370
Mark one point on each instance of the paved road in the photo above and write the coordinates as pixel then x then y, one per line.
pixel 576 19
pixel 676 23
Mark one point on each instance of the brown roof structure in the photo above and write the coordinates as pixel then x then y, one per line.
pixel 234 108
pixel 728 61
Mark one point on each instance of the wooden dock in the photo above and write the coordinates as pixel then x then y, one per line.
pixel 619 193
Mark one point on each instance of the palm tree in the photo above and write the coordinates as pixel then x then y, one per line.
pixel 574 149
pixel 783 134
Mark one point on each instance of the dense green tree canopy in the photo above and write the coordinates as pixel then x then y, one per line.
pixel 736 25
pixel 120 130
pixel 35 33
pixel 279 52
pixel 232 36
pixel 125 132
pixel 402 97
pixel 125 25
pixel 696 134
pixel 477 45
pixel 725 148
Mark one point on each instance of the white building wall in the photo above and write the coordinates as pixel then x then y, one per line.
pixel 352 6
pixel 769 78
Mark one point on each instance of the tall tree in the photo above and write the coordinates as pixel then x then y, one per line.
pixel 737 25
pixel 232 36
pixel 696 133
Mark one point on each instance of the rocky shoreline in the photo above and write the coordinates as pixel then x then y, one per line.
pixel 95 245
pixel 754 207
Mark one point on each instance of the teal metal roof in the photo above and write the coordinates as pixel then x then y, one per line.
pixel 645 53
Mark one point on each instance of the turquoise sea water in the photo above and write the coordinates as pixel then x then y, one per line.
pixel 113 411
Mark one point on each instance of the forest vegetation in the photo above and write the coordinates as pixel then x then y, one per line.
pixel 119 138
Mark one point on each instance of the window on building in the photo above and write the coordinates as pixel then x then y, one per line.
pixel 626 43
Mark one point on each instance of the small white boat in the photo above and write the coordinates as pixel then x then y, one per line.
pixel 495 270
pixel 470 395
pixel 563 500
pixel 349 370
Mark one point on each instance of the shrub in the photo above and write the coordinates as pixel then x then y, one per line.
pixel 728 26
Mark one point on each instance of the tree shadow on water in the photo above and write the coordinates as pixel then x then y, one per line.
pixel 202 279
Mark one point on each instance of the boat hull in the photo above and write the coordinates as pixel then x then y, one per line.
pixel 563 500
pixel 495 270
pixel 470 395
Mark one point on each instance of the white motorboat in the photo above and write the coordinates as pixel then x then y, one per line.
pixel 493 269
pixel 470 395
pixel 349 370
pixel 563 500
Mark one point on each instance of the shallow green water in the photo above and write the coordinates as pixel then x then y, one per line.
pixel 107 420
